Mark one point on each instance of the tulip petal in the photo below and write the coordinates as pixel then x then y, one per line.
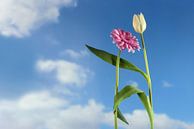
pixel 139 23
pixel 136 23
pixel 143 22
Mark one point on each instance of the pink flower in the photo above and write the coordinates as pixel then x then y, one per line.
pixel 125 40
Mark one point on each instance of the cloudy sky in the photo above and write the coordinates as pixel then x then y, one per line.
pixel 49 80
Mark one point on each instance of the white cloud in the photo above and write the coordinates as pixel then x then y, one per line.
pixel 15 116
pixel 65 91
pixel 133 83
pixel 166 84
pixel 29 111
pixel 19 17
pixel 88 116
pixel 92 115
pixel 138 119
pixel 40 100
pixel 65 72
pixel 74 54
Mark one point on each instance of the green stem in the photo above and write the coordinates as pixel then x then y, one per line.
pixel 149 82
pixel 116 88
pixel 147 70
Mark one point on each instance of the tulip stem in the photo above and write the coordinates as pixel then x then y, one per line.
pixel 149 82
pixel 147 69
pixel 116 88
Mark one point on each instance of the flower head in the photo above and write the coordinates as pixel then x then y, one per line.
pixel 139 23
pixel 125 40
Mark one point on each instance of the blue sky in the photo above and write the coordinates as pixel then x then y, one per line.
pixel 44 62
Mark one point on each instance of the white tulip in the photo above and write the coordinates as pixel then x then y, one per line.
pixel 139 23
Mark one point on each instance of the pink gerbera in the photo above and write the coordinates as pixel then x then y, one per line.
pixel 125 40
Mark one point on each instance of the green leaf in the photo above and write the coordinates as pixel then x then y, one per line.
pixel 111 59
pixel 127 92
pixel 121 116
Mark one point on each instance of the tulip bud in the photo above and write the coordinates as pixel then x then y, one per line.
pixel 139 23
